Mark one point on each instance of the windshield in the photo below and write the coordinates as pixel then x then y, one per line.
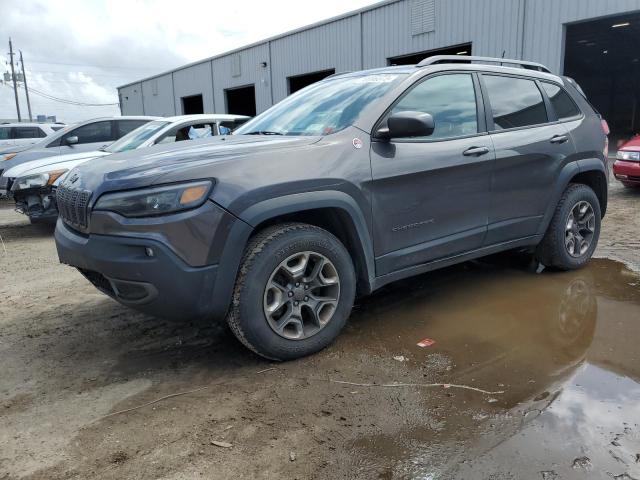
pixel 322 108
pixel 137 137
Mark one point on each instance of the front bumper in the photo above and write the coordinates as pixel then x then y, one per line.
pixel 627 172
pixel 162 285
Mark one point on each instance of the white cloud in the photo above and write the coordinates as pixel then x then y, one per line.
pixel 82 50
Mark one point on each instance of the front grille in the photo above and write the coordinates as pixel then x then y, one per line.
pixel 72 205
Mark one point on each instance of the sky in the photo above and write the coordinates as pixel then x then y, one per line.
pixel 81 50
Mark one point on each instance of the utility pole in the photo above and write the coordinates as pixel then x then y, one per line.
pixel 13 77
pixel 26 89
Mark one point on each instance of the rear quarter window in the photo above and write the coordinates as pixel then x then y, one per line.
pixel 515 102
pixel 126 126
pixel 561 101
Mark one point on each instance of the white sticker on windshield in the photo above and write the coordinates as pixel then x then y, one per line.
pixel 381 78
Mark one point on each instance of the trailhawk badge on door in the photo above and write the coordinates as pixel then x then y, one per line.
pixel 357 143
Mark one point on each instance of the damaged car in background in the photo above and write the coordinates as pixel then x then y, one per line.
pixel 33 184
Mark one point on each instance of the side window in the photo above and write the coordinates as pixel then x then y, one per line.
pixel 126 126
pixel 188 132
pixel 28 132
pixel 562 103
pixel 450 99
pixel 515 102
pixel 201 130
pixel 5 133
pixel 92 133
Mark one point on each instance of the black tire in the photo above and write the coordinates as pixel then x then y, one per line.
pixel 552 251
pixel 264 253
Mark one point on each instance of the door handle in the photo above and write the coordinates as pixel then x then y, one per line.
pixel 559 139
pixel 475 151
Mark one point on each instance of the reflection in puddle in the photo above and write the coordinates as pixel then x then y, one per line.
pixel 563 346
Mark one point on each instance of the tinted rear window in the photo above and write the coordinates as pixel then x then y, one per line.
pixel 29 132
pixel 515 102
pixel 561 101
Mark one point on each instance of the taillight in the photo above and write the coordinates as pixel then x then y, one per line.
pixel 606 131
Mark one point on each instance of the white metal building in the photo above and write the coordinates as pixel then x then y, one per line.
pixel 594 41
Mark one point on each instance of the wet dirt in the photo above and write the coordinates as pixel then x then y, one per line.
pixel 558 352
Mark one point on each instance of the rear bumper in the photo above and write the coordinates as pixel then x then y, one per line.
pixel 627 172
pixel 161 285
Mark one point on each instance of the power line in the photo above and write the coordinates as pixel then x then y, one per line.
pixel 66 101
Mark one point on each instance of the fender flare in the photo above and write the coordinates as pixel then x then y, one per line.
pixel 568 172
pixel 265 210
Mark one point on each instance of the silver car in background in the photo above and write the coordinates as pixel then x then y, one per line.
pixel 34 183
pixel 14 136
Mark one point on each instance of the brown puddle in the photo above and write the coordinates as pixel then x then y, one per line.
pixel 563 346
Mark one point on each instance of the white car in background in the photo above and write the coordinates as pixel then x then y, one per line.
pixel 34 183
pixel 14 134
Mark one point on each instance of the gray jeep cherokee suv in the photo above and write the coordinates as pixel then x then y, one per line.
pixel 356 181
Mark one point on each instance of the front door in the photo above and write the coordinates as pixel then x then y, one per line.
pixel 431 195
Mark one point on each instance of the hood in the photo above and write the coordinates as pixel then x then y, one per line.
pixel 4 149
pixel 632 145
pixel 57 162
pixel 164 163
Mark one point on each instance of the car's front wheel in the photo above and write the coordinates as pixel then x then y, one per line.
pixel 572 235
pixel 294 291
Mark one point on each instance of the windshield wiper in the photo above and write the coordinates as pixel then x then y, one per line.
pixel 264 132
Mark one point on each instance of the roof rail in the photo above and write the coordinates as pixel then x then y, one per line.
pixel 465 58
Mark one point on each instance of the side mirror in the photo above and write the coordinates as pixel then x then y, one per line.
pixel 71 140
pixel 406 125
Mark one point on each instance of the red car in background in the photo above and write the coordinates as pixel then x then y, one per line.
pixel 627 165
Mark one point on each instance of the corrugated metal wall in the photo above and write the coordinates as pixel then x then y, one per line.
pixel 158 96
pixel 545 21
pixel 193 80
pixel 240 69
pixel 335 45
pixel 528 29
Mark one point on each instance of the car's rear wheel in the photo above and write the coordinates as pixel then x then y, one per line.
pixel 572 235
pixel 294 291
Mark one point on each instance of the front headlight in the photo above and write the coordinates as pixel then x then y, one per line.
pixel 625 155
pixel 37 180
pixel 157 200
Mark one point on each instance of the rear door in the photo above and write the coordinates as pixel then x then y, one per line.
pixel 530 149
pixel 27 135
pixel 431 195
pixel 91 136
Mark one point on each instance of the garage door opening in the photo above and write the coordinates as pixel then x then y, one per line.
pixel 412 59
pixel 298 82
pixel 192 105
pixel 602 57
pixel 241 101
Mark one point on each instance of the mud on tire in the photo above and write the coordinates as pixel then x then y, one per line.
pixel 264 255
pixel 553 250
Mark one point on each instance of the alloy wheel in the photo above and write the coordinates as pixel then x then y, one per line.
pixel 301 295
pixel 579 229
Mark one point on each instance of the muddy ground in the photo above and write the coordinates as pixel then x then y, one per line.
pixel 79 375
